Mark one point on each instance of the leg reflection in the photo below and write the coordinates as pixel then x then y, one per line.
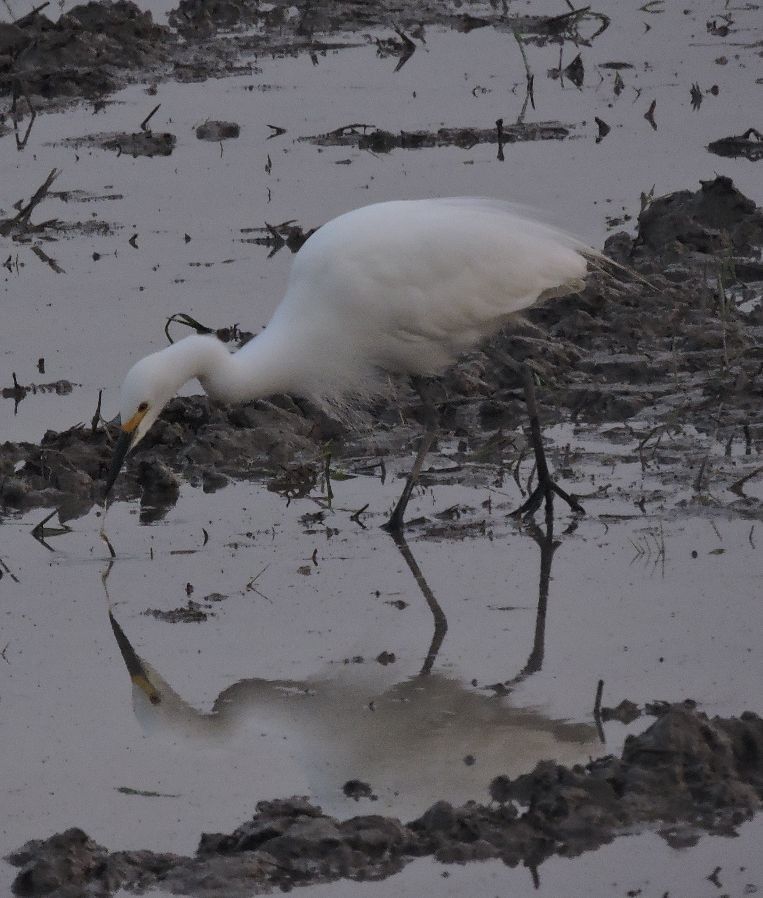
pixel 440 621
pixel 548 545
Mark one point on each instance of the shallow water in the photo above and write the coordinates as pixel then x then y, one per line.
pixel 280 690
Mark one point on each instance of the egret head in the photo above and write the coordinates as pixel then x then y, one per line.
pixel 147 388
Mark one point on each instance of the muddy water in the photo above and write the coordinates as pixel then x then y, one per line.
pixel 299 664
pixel 307 669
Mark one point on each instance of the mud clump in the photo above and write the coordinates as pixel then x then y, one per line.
pixel 87 52
pixel 97 47
pixel 717 218
pixel 685 771
pixel 141 143
pixel 204 442
pixel 216 130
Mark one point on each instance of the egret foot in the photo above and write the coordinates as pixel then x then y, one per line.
pixel 547 486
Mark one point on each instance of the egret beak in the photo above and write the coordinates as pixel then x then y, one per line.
pixel 123 446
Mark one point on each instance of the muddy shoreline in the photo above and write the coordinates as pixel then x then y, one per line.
pixel 653 356
pixel 686 775
pixel 97 47
pixel 673 341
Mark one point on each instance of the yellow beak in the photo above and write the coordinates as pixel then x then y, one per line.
pixel 129 426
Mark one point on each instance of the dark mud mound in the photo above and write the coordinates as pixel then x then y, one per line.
pixel 715 220
pixel 206 443
pixel 98 46
pixel 686 772
pixel 87 52
pixel 680 340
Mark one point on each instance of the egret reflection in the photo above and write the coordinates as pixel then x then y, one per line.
pixel 409 740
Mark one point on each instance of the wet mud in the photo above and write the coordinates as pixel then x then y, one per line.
pixel 134 144
pixel 97 47
pixel 216 130
pixel 87 52
pixel 671 339
pixel 685 775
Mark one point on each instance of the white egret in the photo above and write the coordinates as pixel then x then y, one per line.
pixel 398 288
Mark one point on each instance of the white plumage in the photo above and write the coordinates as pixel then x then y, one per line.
pixel 400 287
pixel 408 286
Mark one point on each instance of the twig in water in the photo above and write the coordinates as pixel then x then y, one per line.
pixel 97 416
pixel 21 142
pixel 49 260
pixel 250 587
pixel 16 579
pixel 736 487
pixel 144 123
pixel 529 80
pixel 597 709
pixel 182 318
pixel 20 223
pixel 40 532
pixel 649 114
pixel 355 516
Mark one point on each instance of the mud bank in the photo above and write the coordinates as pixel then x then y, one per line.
pixel 96 47
pixel 686 773
pixel 87 52
pixel 675 340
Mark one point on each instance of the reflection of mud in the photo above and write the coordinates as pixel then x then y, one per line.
pixel 697 773
pixel 301 22
pixel 366 137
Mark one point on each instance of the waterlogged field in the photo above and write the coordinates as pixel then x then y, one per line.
pixel 262 638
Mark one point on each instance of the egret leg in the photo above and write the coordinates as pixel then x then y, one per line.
pixel 546 485
pixel 432 423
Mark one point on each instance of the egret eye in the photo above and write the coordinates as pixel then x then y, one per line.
pixel 143 406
